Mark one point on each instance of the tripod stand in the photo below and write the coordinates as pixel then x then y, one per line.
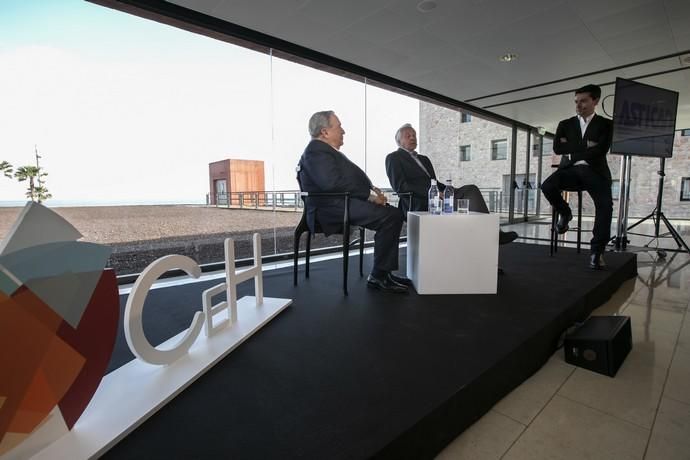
pixel 657 216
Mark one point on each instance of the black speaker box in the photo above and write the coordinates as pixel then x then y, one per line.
pixel 600 344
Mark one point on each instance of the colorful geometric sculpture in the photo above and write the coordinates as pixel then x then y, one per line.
pixel 58 320
pixel 63 274
pixel 94 339
pixel 37 225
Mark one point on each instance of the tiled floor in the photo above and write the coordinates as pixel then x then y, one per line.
pixel 564 412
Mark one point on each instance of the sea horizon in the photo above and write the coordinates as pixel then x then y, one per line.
pixel 94 203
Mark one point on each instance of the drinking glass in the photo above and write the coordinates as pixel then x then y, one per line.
pixel 463 205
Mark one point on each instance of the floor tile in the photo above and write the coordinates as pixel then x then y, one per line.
pixel 632 395
pixel 489 438
pixel 671 434
pixel 654 318
pixel 568 430
pixel 527 400
pixel 650 339
pixel 684 336
pixel 678 383
pixel 661 297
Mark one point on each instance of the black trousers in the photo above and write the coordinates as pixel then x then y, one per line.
pixel 387 222
pixel 581 177
pixel 472 193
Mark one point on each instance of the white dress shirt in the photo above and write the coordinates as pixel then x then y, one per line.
pixel 584 123
pixel 414 156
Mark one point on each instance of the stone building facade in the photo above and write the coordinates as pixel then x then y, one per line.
pixel 470 150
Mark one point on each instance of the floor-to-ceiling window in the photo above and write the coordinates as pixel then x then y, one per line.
pixel 139 118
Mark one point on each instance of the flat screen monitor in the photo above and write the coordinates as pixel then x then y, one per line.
pixel 644 119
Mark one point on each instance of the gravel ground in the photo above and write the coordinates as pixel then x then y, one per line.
pixel 141 234
pixel 125 224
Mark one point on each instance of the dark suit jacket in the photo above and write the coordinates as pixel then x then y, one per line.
pixel 324 169
pixel 599 130
pixel 405 175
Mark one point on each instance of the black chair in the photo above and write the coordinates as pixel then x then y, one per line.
pixel 553 242
pixel 302 227
pixel 404 197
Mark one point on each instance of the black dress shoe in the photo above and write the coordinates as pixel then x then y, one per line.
pixel 386 285
pixel 506 237
pixel 562 224
pixel 400 280
pixel 596 261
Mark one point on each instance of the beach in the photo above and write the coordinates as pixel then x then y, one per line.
pixel 140 234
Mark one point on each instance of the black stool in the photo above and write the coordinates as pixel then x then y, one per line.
pixel 553 241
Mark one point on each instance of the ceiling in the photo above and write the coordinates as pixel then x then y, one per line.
pixel 454 48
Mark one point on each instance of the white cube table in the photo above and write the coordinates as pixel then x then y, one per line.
pixel 453 254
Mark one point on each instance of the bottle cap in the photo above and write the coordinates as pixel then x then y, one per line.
pixel 433 181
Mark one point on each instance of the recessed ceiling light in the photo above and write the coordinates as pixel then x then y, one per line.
pixel 426 5
pixel 508 57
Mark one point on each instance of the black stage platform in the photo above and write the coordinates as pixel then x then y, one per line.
pixel 372 374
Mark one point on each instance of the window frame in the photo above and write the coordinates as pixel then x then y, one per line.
pixel 465 155
pixel 685 189
pixel 494 149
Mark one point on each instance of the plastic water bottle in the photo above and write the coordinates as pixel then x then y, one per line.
pixel 434 198
pixel 448 197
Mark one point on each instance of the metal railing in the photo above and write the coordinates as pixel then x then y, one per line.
pixel 288 200
pixel 497 200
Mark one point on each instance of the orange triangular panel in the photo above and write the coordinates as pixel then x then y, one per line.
pixel 25 339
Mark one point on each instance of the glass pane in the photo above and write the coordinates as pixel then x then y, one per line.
pixel 547 168
pixel 295 99
pixel 127 115
pixel 443 136
pixel 386 112
pixel 525 181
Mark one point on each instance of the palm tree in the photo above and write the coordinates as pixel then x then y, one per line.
pixel 6 169
pixel 34 193
pixel 42 193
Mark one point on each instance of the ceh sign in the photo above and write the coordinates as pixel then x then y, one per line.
pixel 59 310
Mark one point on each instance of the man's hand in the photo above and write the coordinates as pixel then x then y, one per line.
pixel 378 197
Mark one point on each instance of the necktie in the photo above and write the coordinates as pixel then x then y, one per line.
pixel 415 156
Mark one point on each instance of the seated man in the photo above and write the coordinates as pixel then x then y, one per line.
pixel 583 140
pixel 410 172
pixel 323 168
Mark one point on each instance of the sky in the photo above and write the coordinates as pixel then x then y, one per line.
pixel 127 110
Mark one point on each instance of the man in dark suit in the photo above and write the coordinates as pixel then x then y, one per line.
pixel 583 140
pixel 323 168
pixel 409 171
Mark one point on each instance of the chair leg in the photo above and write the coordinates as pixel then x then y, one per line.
pixel 361 251
pixel 579 219
pixel 346 250
pixel 553 235
pixel 295 256
pixel 306 256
